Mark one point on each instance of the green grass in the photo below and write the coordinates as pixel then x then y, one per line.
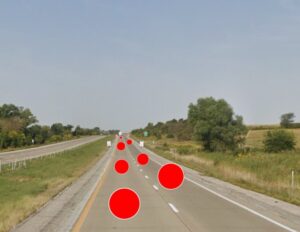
pixel 258 171
pixel 25 190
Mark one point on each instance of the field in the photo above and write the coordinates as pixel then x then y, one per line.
pixel 255 138
pixel 265 173
pixel 25 190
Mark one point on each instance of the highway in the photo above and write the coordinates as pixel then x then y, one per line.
pixel 18 155
pixel 189 208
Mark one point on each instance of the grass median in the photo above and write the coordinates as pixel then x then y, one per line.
pixel 270 174
pixel 25 190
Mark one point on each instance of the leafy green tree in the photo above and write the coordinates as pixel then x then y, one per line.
pixel 78 131
pixel 279 140
pixel 215 125
pixel 34 131
pixel 18 128
pixel 57 129
pixel 4 143
pixel 11 111
pixel 286 120
pixel 27 117
pixel 68 128
pixel 96 131
pixel 16 139
pixel 45 133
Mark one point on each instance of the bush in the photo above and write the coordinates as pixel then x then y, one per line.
pixel 170 136
pixel 55 138
pixel 185 150
pixel 279 140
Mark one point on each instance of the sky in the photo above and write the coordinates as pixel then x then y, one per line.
pixel 122 64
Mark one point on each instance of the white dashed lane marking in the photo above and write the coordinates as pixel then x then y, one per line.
pixel 155 187
pixel 173 208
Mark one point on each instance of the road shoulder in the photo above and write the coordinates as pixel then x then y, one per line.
pixel 60 213
pixel 277 210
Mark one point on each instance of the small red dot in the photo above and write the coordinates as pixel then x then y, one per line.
pixel 129 141
pixel 143 159
pixel 171 176
pixel 121 146
pixel 124 203
pixel 121 166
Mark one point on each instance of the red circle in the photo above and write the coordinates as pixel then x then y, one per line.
pixel 121 166
pixel 124 203
pixel 121 146
pixel 143 159
pixel 121 137
pixel 129 141
pixel 171 176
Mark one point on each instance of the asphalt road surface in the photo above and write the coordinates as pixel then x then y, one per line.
pixel 189 208
pixel 12 156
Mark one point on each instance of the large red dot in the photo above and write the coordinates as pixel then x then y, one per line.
pixel 170 176
pixel 121 166
pixel 124 203
pixel 121 146
pixel 129 141
pixel 143 159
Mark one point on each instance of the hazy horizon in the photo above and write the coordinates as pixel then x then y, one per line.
pixel 120 65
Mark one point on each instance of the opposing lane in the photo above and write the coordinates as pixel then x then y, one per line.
pixel 12 156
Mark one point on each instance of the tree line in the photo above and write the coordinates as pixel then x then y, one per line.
pixel 213 123
pixel 18 127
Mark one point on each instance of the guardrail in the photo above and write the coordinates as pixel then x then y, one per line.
pixel 13 162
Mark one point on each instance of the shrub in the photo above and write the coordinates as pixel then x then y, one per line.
pixel 278 141
pixel 170 136
pixel 55 138
pixel 185 150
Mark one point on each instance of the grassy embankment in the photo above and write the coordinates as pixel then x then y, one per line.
pixel 265 173
pixel 25 190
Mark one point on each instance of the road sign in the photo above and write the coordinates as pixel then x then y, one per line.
pixel 145 133
pixel 141 143
pixel 108 143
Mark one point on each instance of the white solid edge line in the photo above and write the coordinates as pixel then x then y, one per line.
pixel 237 204
pixel 173 208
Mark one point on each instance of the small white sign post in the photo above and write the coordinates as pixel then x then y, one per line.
pixel 120 133
pixel 141 143
pixel 108 143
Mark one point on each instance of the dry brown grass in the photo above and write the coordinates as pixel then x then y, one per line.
pixel 258 171
pixel 255 138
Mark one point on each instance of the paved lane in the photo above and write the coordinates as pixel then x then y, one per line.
pixel 189 208
pixel 154 215
pixel 12 156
